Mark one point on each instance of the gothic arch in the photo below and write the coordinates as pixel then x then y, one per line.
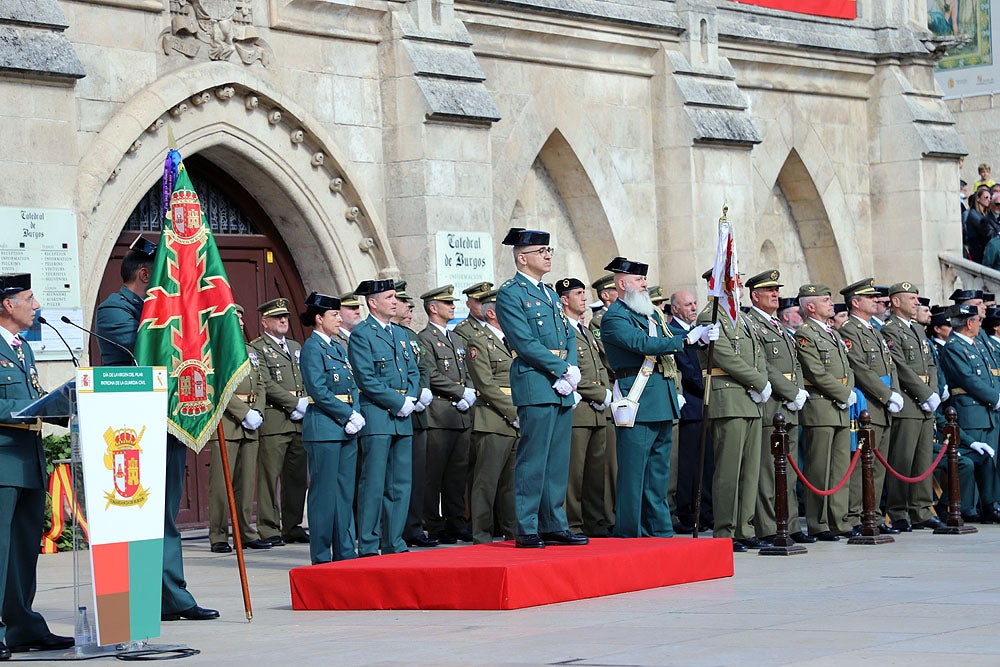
pixel 794 158
pixel 569 147
pixel 294 168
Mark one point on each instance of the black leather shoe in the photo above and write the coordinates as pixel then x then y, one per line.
pixel 988 516
pixel 464 535
pixel 275 541
pixel 564 538
pixel 755 543
pixel 853 532
pixel 826 536
pixel 447 537
pixel 422 541
pixel 4 652
pixel 257 544
pixel 801 538
pixel 931 523
pixel 297 535
pixel 887 530
pixel 529 542
pixel 977 518
pixel 49 642
pixel 221 547
pixel 195 613
pixel 682 528
pixel 738 547
pixel 902 525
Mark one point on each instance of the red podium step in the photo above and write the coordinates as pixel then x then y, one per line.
pixel 498 576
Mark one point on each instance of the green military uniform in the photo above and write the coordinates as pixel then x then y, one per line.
pixel 449 429
pixel 386 373
pixel 588 445
pixel 241 449
pixel 875 375
pixel 643 450
pixel 911 450
pixel 332 452
pixel 785 375
pixel 470 327
pixel 281 454
pixel 531 316
pixel 738 367
pixel 826 427
pixel 494 437
pixel 22 488
pixel 606 282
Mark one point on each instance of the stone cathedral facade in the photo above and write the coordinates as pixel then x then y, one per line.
pixel 359 128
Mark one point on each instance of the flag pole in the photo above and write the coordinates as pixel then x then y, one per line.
pixel 704 408
pixel 237 538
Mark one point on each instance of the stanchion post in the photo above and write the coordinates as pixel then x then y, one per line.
pixel 954 524
pixel 869 513
pixel 784 545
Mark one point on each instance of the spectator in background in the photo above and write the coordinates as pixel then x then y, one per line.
pixel 972 228
pixel 984 176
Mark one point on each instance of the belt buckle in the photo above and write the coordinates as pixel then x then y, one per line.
pixel 646 371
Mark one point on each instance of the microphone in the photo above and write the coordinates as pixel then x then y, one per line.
pixel 100 337
pixel 49 325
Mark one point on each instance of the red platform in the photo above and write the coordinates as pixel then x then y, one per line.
pixel 498 576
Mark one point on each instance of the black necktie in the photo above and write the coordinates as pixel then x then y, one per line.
pixel 579 325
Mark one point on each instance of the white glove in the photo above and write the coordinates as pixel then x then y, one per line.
pixel 572 375
pixel 945 393
pixel 303 404
pixel 755 396
pixel 354 424
pixel 296 415
pixel 931 404
pixel 462 405
pixel 469 396
pixel 425 397
pixel 419 407
pixel 801 398
pixel 407 408
pixel 562 387
pixel 895 402
pixel 517 423
pixel 681 401
pixel 253 420
pixel 852 399
pixel 997 406
pixel 765 393
pixel 842 406
pixel 982 448
pixel 703 334
pixel 576 399
pixel 608 397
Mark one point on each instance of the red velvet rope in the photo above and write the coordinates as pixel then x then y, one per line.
pixel 840 484
pixel 911 480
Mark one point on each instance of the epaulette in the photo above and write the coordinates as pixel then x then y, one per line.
pixel 509 282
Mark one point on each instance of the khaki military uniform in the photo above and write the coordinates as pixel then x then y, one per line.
pixel 610 451
pixel 281 454
pixel 739 366
pixel 494 437
pixel 826 428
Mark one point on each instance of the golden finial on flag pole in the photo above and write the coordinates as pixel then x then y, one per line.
pixel 171 144
pixel 725 211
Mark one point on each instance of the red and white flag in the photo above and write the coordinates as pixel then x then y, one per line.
pixel 725 280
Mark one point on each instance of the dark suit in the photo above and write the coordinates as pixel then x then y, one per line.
pixel 386 373
pixel 689 436
pixel 22 500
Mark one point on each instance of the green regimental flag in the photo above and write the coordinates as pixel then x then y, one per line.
pixel 189 321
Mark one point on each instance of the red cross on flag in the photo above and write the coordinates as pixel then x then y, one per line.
pixel 189 321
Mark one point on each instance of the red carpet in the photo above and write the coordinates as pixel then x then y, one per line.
pixel 498 576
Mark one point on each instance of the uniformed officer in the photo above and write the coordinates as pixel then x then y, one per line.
pixel 911 450
pixel 875 375
pixel 543 377
pixel 585 493
pixel 329 433
pixel 739 390
pixel 607 293
pixel 640 349
pixel 388 380
pixel 824 418
pixel 788 395
pixel 22 477
pixel 449 421
pixel 240 424
pixel 606 290
pixel 281 454
pixel 474 323
pixel 413 532
pixel 494 429
pixel 117 320
pixel 117 317
pixel 350 316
